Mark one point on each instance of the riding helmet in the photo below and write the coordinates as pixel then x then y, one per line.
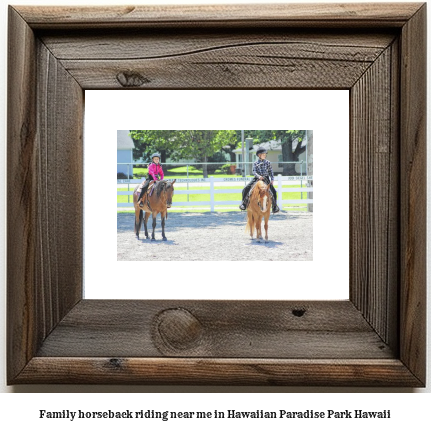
pixel 155 155
pixel 261 150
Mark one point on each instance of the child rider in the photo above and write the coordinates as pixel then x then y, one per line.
pixel 262 170
pixel 155 172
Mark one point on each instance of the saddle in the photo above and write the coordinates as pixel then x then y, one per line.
pixel 151 189
pixel 138 190
pixel 147 194
pixel 265 180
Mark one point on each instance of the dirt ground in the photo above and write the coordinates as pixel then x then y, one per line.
pixel 217 237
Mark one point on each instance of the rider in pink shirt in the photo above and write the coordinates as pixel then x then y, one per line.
pixel 155 169
pixel 155 172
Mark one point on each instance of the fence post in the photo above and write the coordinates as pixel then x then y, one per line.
pixel 309 151
pixel 279 192
pixel 187 181
pixel 128 183
pixel 212 197
pixel 301 179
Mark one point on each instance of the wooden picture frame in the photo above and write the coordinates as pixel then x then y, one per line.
pixel 376 338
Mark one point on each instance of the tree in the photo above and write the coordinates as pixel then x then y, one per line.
pixel 203 144
pixel 227 140
pixel 286 138
pixel 149 141
pixel 182 144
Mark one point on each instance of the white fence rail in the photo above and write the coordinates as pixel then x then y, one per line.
pixel 212 191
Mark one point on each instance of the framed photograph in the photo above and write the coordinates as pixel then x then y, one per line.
pixel 375 337
pixel 205 229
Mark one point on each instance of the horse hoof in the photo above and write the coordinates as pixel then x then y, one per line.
pixel 147 237
pixel 153 239
pixel 165 239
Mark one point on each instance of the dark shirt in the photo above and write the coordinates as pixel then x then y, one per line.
pixel 263 168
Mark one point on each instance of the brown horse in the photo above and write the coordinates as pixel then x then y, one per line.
pixel 157 202
pixel 259 207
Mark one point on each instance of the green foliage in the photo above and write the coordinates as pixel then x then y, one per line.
pixel 260 136
pixel 122 176
pixel 212 145
pixel 202 145
pixel 181 144
pixel 149 141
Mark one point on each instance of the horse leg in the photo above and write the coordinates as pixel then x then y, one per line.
pixel 153 237
pixel 147 215
pixel 136 224
pixel 259 228
pixel 138 221
pixel 250 218
pixel 163 225
pixel 136 213
pixel 266 228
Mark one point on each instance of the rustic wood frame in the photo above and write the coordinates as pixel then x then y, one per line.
pixel 376 338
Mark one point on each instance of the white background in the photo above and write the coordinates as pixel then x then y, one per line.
pixel 21 410
pixel 324 111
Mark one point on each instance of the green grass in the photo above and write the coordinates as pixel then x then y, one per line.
pixel 183 170
pixel 219 197
pixel 180 172
pixel 140 172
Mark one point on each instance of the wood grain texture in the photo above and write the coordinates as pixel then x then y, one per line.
pixel 197 371
pixel 375 338
pixel 413 194
pixel 21 196
pixel 299 15
pixel 374 193
pixel 59 183
pixel 45 105
pixel 226 329
pixel 253 59
pixel 145 45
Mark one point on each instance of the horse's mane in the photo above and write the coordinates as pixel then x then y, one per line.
pixel 160 186
pixel 259 185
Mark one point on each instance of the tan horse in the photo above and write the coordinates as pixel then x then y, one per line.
pixel 259 207
pixel 159 202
